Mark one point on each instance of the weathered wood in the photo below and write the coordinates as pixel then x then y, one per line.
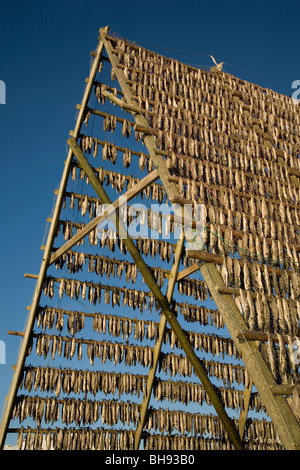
pixel 245 408
pixel 158 344
pixel 252 335
pixel 283 389
pixel 187 271
pixel 119 102
pixel 179 199
pixel 204 256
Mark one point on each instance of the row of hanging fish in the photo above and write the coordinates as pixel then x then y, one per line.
pixel 75 439
pixel 146 246
pixel 122 327
pixel 183 443
pixel 103 350
pixel 113 412
pixel 68 381
pixel 50 317
pixel 184 422
pixel 65 381
pixel 200 314
pixel 131 355
pixel 229 373
pixel 189 443
pixel 101 265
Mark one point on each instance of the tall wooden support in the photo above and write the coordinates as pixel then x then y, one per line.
pixel 177 114
pixel 47 254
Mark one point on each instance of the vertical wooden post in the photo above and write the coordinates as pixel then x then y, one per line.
pixel 158 345
pixel 47 253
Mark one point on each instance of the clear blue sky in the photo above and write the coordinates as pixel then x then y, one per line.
pixel 44 59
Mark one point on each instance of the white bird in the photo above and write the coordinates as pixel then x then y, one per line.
pixel 218 66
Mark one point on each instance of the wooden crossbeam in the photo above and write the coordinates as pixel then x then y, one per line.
pixel 173 277
pixel 277 407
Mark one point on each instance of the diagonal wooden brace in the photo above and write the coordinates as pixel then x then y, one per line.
pixel 161 299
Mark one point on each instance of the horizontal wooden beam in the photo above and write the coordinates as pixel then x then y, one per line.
pixel 187 271
pixel 31 276
pixel 130 194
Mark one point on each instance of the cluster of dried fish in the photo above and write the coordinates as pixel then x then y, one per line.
pixel 92 291
pixel 75 439
pixel 147 246
pixel 124 327
pixel 184 443
pixel 193 287
pixel 168 77
pixel 200 314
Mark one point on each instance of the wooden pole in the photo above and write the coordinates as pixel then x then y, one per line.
pixel 284 420
pixel 46 257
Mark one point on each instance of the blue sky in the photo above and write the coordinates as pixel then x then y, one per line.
pixel 44 59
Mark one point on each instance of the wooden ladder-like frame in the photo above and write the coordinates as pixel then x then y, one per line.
pixel 276 405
